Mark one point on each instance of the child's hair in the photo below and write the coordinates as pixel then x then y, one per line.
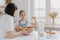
pixel 21 11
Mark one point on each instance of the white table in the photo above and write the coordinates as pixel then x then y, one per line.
pixel 56 37
pixel 32 36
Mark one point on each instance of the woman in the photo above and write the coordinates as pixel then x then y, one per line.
pixel 7 23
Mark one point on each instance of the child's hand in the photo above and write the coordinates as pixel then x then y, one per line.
pixel 18 28
pixel 34 18
pixel 21 27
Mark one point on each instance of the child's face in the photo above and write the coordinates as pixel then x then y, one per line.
pixel 23 16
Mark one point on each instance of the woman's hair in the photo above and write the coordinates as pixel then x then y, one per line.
pixel 21 11
pixel 10 9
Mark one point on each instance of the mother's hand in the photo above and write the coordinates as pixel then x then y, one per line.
pixel 25 32
pixel 29 29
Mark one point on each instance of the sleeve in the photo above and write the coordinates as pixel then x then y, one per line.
pixel 10 24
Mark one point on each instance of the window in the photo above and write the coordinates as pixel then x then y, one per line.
pixel 2 5
pixel 2 2
pixel 40 9
pixel 55 6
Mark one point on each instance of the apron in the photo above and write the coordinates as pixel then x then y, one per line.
pixel 23 24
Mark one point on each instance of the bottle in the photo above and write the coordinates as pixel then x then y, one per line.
pixel 41 29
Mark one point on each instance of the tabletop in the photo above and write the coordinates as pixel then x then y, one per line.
pixel 50 37
pixel 32 36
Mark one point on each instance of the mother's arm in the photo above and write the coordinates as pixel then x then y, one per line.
pixel 10 28
pixel 13 35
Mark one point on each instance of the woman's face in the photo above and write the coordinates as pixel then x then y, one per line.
pixel 23 16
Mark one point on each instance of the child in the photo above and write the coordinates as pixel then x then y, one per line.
pixel 23 23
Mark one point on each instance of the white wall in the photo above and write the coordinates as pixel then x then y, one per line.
pixel 21 4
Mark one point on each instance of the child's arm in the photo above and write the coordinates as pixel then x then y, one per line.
pixel 18 28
